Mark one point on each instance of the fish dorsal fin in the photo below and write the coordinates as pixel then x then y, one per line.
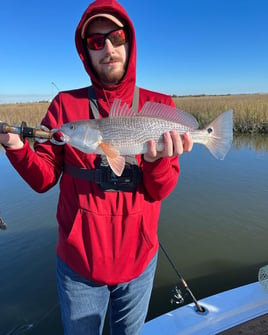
pixel 120 111
pixel 162 111
pixel 116 162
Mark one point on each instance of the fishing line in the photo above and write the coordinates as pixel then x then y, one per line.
pixel 20 329
pixel 28 326
pixel 185 285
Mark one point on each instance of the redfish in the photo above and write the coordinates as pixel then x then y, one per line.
pixel 126 133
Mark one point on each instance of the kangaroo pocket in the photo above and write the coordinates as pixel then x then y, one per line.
pixel 113 248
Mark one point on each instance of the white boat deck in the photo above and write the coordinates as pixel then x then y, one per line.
pixel 224 311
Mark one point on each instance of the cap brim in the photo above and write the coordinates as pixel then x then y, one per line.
pixel 104 15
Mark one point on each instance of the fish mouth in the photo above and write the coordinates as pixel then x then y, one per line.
pixel 65 138
pixel 57 137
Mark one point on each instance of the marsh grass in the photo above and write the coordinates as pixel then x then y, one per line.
pixel 32 113
pixel 250 111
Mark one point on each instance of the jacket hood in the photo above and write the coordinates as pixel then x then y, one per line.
pixel 124 90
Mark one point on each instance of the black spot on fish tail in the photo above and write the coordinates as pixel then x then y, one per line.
pixel 210 130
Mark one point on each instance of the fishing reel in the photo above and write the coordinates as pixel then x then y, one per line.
pixel 177 296
pixel 3 225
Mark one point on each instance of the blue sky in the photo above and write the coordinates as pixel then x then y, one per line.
pixel 184 46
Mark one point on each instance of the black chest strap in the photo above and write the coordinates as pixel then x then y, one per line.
pixel 106 179
pixel 83 173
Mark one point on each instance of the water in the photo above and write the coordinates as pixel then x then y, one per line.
pixel 213 226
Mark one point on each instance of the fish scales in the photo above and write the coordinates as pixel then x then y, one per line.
pixel 130 135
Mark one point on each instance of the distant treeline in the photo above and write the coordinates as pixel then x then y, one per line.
pixel 200 95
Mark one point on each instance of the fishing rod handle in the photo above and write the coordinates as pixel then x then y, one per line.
pixel 3 127
pixel 23 131
pixel 42 132
pixel 26 131
pixel 6 129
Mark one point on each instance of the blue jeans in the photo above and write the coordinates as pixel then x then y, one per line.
pixel 84 303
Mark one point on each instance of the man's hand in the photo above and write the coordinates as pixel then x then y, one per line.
pixel 12 141
pixel 174 145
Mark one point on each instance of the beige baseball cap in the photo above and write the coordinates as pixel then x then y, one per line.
pixel 104 15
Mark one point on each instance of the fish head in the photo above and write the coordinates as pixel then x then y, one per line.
pixel 83 135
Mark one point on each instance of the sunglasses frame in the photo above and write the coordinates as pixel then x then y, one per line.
pixel 107 36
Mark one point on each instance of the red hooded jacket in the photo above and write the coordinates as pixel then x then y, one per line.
pixel 108 237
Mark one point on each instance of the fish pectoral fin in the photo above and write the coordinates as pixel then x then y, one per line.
pixel 109 150
pixel 116 162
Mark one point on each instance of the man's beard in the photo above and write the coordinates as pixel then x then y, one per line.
pixel 111 76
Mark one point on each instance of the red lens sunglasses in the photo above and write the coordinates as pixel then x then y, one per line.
pixel 97 41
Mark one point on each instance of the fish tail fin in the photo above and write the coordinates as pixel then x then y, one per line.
pixel 220 133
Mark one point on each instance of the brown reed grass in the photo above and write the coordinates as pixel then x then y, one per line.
pixel 250 110
pixel 32 113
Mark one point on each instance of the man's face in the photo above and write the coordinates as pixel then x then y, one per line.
pixel 110 62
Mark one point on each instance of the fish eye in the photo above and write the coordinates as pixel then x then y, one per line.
pixel 72 127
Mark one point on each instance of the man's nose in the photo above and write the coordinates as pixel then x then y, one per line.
pixel 108 46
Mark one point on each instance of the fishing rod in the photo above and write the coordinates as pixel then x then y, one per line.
pixel 41 133
pixel 177 295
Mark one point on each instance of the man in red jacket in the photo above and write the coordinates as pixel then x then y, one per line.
pixel 107 247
